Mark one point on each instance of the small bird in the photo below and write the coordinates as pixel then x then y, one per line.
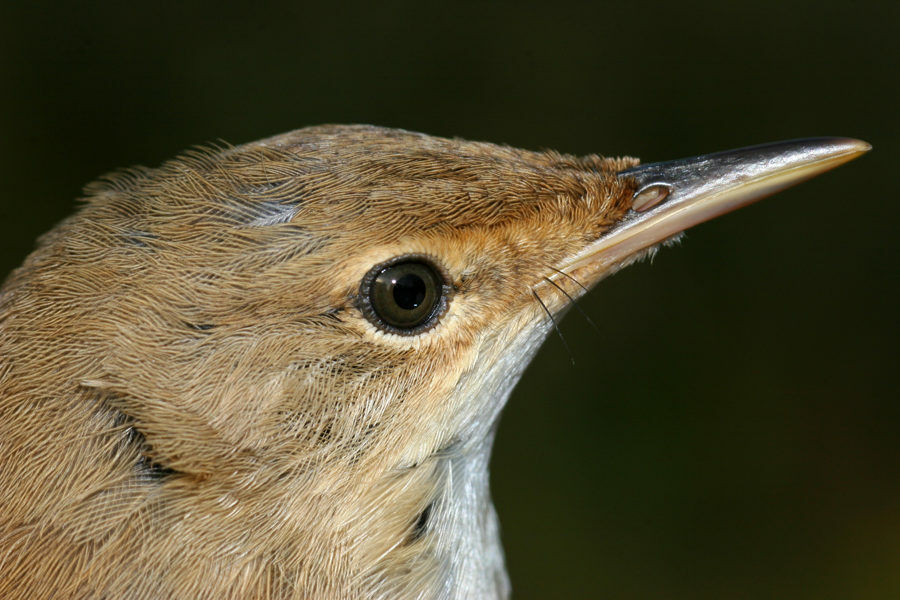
pixel 275 370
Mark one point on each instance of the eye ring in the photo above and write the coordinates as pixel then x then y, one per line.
pixel 405 295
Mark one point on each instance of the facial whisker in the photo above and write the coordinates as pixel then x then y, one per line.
pixel 567 276
pixel 555 326
pixel 574 303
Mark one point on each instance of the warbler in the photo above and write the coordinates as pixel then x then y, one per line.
pixel 275 370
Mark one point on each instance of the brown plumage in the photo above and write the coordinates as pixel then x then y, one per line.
pixel 194 405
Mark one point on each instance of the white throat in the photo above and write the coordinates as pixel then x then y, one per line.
pixel 462 517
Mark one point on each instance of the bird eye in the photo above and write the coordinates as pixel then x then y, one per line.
pixel 405 295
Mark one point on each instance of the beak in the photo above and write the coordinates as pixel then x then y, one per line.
pixel 673 196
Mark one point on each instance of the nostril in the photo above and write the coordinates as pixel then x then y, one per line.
pixel 649 197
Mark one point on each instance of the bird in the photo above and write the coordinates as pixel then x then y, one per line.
pixel 275 370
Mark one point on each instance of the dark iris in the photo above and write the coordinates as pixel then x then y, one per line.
pixel 405 295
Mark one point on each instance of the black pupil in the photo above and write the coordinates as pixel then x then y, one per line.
pixel 409 291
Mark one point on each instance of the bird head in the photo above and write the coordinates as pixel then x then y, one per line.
pixel 300 346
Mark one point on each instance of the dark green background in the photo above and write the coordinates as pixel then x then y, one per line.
pixel 732 432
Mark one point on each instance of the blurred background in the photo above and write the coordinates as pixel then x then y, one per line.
pixel 733 430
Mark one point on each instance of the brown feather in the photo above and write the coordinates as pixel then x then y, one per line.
pixel 193 406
